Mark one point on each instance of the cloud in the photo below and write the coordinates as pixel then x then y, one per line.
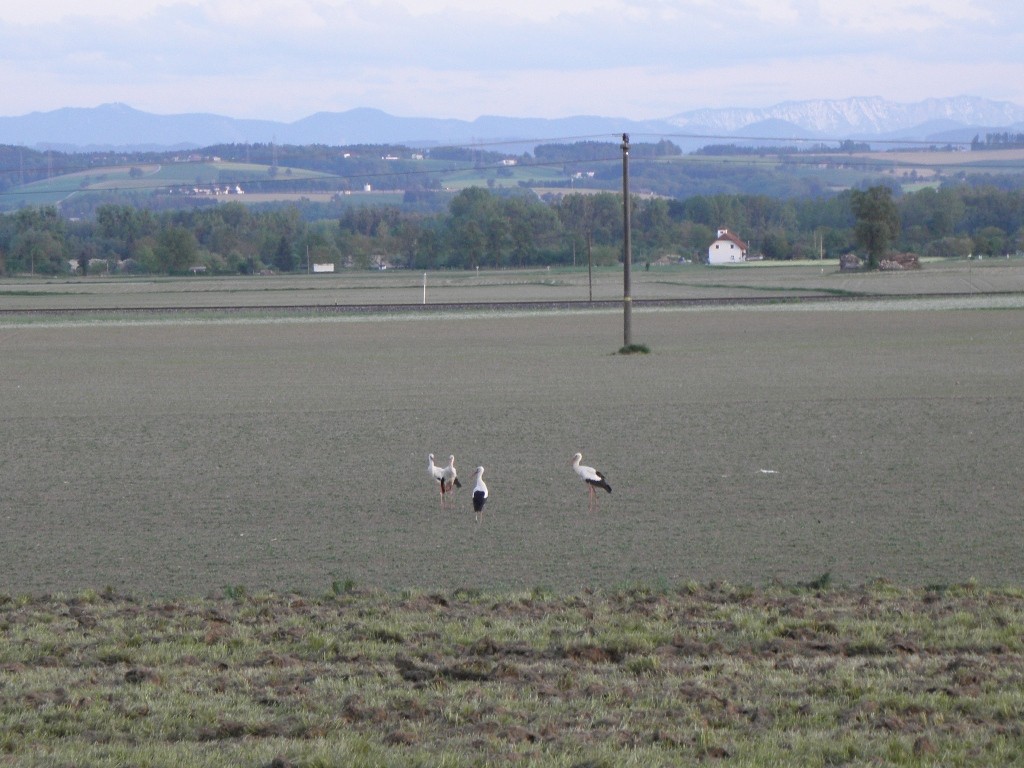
pixel 904 17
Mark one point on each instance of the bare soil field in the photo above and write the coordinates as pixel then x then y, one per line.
pixel 179 457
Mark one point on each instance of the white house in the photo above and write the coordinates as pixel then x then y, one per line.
pixel 727 249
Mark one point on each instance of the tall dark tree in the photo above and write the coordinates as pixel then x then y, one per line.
pixel 176 249
pixel 877 221
pixel 475 228
pixel 284 257
pixel 39 242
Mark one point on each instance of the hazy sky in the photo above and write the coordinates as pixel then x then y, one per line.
pixel 286 59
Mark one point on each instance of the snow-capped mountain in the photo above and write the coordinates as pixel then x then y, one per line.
pixel 856 117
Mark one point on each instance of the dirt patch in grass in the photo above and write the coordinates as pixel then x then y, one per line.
pixel 871 674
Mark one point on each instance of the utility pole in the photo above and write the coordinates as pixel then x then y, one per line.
pixel 627 250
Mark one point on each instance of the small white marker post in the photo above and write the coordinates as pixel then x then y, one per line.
pixel 424 287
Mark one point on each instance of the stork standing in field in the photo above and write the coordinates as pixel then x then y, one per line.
pixel 479 493
pixel 437 474
pixel 450 478
pixel 592 478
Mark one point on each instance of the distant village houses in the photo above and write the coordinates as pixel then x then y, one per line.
pixel 727 249
pixel 215 191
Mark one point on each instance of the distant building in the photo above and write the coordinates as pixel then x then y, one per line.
pixel 727 249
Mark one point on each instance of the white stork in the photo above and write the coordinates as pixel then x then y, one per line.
pixel 479 493
pixel 437 474
pixel 450 477
pixel 592 478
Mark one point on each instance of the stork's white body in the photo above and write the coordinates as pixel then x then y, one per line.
pixel 437 474
pixel 479 493
pixel 450 478
pixel 592 478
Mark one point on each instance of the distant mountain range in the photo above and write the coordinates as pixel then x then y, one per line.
pixel 861 118
pixel 120 127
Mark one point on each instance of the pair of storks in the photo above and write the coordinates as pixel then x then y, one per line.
pixel 448 479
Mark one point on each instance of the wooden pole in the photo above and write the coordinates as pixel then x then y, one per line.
pixel 627 249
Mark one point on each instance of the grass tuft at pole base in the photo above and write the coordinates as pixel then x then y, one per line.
pixel 634 349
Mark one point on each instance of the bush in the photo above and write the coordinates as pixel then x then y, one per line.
pixel 634 349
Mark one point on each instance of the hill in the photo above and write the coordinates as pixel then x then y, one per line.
pixel 118 126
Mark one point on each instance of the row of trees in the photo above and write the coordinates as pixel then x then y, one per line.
pixel 1004 140
pixel 487 229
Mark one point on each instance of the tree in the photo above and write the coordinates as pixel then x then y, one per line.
pixel 495 230
pixel 950 247
pixel 990 241
pixel 122 227
pixel 533 230
pixel 475 228
pixel 877 221
pixel 176 249
pixel 468 244
pixel 39 240
pixel 408 240
pixel 655 231
pixel 593 220
pixel 39 251
pixel 284 257
pixel 935 213
pixel 775 245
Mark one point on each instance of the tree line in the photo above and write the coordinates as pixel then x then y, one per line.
pixel 1001 140
pixel 490 229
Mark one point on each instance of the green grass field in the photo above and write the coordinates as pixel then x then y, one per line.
pixel 514 176
pixel 877 675
pixel 912 169
pixel 163 176
pixel 152 177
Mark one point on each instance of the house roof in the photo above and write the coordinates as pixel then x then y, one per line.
pixel 730 237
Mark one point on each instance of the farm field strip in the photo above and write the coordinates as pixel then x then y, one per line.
pixel 748 446
pixel 264 316
pixel 683 282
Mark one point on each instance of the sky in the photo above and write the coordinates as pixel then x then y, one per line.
pixel 637 59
